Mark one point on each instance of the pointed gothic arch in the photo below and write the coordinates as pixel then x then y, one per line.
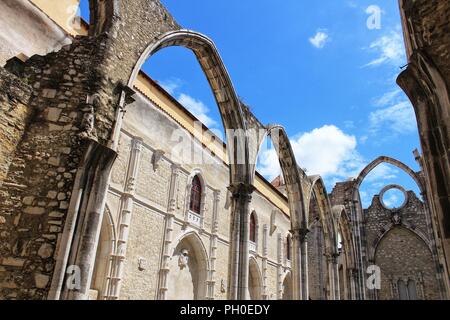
pixel 189 267
pixel 255 286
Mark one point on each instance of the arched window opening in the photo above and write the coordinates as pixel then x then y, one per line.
pixel 412 290
pixel 402 290
pixel 196 195
pixel 253 227
pixel 288 247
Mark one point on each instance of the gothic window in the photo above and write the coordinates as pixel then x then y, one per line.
pixel 253 227
pixel 196 195
pixel 412 291
pixel 407 290
pixel 402 290
pixel 288 247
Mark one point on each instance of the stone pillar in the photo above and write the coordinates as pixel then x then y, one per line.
pixel 331 275
pixel 90 199
pixel 264 260
pixel 239 246
pixel 164 268
pixel 337 292
pixel 300 289
pixel 124 221
pixel 353 277
pixel 280 267
pixel 213 246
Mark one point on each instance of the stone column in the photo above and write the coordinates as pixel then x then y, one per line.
pixel 213 246
pixel 280 267
pixel 264 260
pixel 300 288
pixel 239 247
pixel 164 268
pixel 92 198
pixel 124 220
pixel 337 292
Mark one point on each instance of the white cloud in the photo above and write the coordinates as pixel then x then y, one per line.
pixel 390 48
pixel 320 39
pixel 389 98
pixel 197 108
pixel 327 151
pixel 382 173
pixel 378 178
pixel 398 118
pixel 171 85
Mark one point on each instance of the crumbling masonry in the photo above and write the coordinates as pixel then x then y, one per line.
pixel 69 145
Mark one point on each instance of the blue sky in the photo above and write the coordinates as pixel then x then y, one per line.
pixel 312 66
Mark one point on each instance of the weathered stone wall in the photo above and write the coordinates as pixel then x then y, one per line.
pixel 426 80
pixel 16 114
pixel 402 255
pixel 394 245
pixel 36 192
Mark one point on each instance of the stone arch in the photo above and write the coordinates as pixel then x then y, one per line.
pixel 392 161
pixel 187 280
pixel 230 108
pixel 254 215
pixel 347 256
pixel 287 286
pixel 293 177
pixel 319 192
pixel 373 247
pixel 103 263
pixel 343 226
pixel 255 284
pixel 292 174
pixel 325 225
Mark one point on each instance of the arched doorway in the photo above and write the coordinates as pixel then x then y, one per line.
pixel 287 287
pixel 254 281
pixel 188 270
pixel 100 284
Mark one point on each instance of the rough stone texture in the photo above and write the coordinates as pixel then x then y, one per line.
pixel 395 246
pixel 426 81
pixel 402 255
pixel 49 154
pixel 59 104
pixel 16 114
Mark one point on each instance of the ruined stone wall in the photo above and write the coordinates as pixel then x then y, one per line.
pixel 15 115
pixel 35 194
pixel 426 81
pixel 395 246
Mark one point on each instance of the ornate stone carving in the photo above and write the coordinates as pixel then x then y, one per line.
pixel 396 218
pixel 88 122
pixel 183 258
pixel 222 286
